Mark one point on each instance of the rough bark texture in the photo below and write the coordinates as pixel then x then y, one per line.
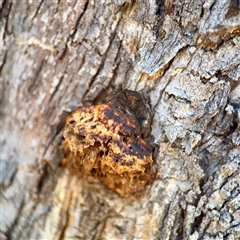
pixel 184 56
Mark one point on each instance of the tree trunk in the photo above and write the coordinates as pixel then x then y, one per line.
pixel 183 56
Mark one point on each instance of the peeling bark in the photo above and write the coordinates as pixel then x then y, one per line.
pixel 184 57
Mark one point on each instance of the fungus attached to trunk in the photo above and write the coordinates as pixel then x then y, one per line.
pixel 106 143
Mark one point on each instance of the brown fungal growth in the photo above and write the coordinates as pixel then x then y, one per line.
pixel 106 143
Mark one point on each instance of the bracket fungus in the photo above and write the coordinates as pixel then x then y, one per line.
pixel 106 142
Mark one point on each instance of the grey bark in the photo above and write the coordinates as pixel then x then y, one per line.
pixel 184 56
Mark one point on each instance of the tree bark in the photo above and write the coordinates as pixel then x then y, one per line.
pixel 183 56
